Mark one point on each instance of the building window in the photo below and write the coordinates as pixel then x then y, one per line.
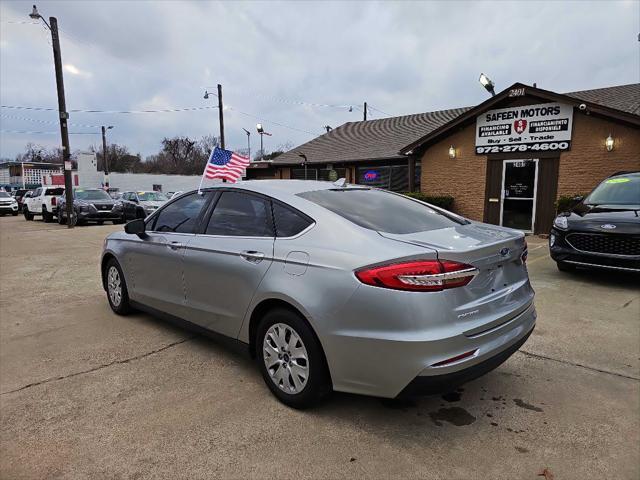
pixel 316 173
pixel 389 177
pixel 157 187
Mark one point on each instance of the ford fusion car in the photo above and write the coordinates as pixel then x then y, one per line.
pixel 330 286
pixel 602 230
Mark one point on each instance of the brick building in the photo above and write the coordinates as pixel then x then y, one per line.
pixel 505 161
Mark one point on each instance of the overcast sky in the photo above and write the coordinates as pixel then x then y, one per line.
pixel 401 57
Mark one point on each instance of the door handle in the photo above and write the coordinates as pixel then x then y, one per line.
pixel 175 245
pixel 252 256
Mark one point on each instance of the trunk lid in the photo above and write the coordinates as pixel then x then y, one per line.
pixel 501 289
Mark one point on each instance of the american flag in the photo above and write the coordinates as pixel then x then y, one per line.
pixel 225 164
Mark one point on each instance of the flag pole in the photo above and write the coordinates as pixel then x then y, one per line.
pixel 205 170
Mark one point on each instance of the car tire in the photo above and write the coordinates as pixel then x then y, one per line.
pixel 117 293
pixel 565 267
pixel 60 217
pixel 27 215
pixel 46 216
pixel 281 335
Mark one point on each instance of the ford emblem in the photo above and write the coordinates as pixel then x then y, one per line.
pixel 504 251
pixel 608 226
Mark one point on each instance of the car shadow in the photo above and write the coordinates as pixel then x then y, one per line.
pixel 605 277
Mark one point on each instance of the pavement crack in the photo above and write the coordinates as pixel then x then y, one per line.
pixel 573 364
pixel 100 367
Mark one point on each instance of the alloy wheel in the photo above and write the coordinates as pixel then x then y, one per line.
pixel 114 286
pixel 285 358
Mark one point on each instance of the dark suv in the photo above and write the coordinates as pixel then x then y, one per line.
pixel 91 205
pixel 603 229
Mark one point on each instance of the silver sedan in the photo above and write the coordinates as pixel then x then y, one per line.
pixel 330 286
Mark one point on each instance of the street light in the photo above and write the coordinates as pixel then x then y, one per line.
pixel 487 84
pixel 304 163
pixel 104 155
pixel 248 142
pixel 62 110
pixel 261 132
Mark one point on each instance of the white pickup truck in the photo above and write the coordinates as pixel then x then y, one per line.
pixel 41 201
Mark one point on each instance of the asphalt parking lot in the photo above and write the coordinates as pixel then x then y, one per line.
pixel 88 394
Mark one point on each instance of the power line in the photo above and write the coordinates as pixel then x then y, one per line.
pixel 161 110
pixel 29 132
pixel 378 110
pixel 168 110
pixel 47 122
pixel 299 102
pixel 271 121
pixel 20 22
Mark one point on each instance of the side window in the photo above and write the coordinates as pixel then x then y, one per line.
pixel 125 196
pixel 37 192
pixel 180 216
pixel 288 221
pixel 239 214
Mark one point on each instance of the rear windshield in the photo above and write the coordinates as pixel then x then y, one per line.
pixel 381 211
pixel 54 191
pixel 622 190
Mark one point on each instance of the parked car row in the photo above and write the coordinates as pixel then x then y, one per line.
pixel 89 204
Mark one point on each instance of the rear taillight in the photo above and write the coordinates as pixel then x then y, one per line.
pixel 421 276
pixel 53 201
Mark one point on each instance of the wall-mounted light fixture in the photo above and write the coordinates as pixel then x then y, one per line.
pixel 452 152
pixel 608 143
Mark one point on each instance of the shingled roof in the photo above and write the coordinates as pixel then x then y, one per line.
pixel 625 98
pixel 382 139
pixel 379 139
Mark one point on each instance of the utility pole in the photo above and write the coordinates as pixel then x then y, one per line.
pixel 62 109
pixel 221 115
pixel 365 111
pixel 105 162
pixel 248 142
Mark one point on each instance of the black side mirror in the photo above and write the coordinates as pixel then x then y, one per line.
pixel 136 227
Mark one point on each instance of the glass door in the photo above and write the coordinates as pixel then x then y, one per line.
pixel 519 185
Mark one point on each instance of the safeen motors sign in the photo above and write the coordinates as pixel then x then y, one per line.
pixel 526 128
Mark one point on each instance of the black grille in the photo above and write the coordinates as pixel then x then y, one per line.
pixel 100 206
pixel 612 244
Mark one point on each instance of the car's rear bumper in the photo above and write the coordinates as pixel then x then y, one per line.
pixel 561 251
pixel 397 362
pixel 430 384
